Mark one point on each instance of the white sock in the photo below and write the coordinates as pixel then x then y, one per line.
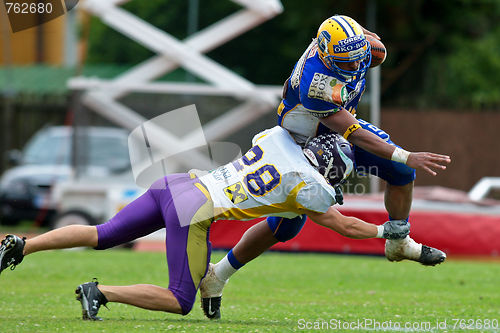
pixel 223 269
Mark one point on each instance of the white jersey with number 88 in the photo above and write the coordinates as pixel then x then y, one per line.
pixel 272 179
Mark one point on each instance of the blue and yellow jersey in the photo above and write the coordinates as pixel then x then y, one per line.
pixel 312 92
pixel 273 178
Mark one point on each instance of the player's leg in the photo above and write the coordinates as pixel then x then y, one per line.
pixel 93 295
pixel 257 240
pixel 173 199
pixel 141 217
pixel 187 213
pixel 63 238
pixel 254 242
pixel 137 219
pixel 87 236
pixel 398 199
pixel 146 296
pixel 176 199
pixel 13 249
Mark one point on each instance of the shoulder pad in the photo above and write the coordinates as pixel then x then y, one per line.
pixel 328 89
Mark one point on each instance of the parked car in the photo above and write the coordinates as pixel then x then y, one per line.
pixel 25 190
pixel 92 201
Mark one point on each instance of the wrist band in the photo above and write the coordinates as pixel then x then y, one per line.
pixel 380 231
pixel 350 130
pixel 400 155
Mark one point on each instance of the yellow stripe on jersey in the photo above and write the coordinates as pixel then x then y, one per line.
pixel 203 190
pixel 280 108
pixel 283 118
pixel 290 205
pixel 260 137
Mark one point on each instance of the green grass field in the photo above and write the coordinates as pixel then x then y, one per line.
pixel 277 292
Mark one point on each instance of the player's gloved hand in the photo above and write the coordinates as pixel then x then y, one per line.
pixel 396 229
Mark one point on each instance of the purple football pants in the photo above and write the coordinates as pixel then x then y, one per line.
pixel 170 203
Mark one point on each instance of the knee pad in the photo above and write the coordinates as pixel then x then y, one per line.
pixel 284 229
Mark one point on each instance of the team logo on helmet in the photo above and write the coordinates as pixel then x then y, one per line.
pixel 311 157
pixel 350 44
pixel 323 39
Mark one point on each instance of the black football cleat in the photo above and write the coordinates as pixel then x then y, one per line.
pixel 211 307
pixel 91 299
pixel 11 252
pixel 431 256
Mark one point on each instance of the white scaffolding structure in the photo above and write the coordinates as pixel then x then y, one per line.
pixel 101 95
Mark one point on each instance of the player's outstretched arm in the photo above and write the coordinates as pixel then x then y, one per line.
pixel 353 227
pixel 343 122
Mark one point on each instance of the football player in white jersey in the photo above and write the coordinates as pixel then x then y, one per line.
pixel 320 96
pixel 275 178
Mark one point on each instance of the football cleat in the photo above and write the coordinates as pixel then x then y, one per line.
pixel 431 256
pixel 211 307
pixel 407 248
pixel 11 252
pixel 91 299
pixel 211 293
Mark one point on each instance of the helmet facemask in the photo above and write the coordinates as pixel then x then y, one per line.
pixel 350 76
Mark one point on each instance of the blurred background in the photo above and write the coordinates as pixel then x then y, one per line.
pixel 438 89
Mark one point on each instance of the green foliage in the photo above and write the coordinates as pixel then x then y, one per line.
pixel 110 46
pixel 270 294
pixel 468 76
pixel 455 44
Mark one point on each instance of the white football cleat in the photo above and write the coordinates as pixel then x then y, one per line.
pixel 211 293
pixel 211 285
pixel 407 248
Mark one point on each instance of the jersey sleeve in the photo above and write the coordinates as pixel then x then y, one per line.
pixel 315 197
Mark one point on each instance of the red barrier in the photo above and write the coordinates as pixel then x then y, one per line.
pixel 454 233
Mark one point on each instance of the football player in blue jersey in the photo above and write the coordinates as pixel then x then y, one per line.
pixel 321 96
